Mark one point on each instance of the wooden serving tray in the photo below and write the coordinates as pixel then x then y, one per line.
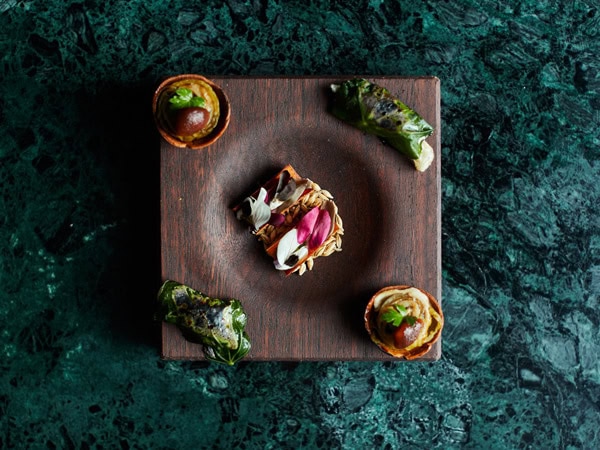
pixel 391 215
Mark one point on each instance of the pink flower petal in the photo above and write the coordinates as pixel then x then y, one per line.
pixel 307 224
pixel 321 230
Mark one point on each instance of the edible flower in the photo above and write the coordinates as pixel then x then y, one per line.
pixel 256 210
pixel 287 194
pixel 307 224
pixel 289 251
pixel 321 230
pixel 310 233
pixel 266 206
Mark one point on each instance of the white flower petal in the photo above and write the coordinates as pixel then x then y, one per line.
pixel 280 266
pixel 281 205
pixel 287 246
pixel 262 195
pixel 300 253
pixel 261 213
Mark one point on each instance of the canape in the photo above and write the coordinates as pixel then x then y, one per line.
pixel 190 111
pixel 295 220
pixel 404 321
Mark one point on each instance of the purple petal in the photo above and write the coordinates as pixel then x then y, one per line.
pixel 277 219
pixel 307 224
pixel 321 230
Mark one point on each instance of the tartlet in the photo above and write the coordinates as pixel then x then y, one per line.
pixel 196 124
pixel 404 321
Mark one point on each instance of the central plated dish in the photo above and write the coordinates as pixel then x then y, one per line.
pixel 392 219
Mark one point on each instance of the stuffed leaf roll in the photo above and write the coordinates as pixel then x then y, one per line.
pixel 216 324
pixel 374 110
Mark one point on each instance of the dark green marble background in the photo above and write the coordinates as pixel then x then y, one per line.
pixel 79 364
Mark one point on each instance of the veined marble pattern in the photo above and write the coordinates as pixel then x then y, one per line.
pixel 521 230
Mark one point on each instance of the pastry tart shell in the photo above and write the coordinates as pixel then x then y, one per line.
pixel 370 318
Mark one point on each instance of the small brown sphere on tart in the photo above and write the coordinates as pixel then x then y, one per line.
pixel 190 120
pixel 190 111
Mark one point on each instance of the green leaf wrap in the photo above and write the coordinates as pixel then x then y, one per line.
pixel 219 325
pixel 373 109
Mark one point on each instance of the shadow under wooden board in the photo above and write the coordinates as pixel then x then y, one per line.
pixel 391 215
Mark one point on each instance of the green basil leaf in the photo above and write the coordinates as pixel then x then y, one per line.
pixel 185 98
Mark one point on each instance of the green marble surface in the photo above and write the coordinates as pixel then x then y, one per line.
pixel 79 256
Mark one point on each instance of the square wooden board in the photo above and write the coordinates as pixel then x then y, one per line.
pixel 391 215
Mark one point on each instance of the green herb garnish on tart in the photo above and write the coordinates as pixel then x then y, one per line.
pixel 397 315
pixel 185 98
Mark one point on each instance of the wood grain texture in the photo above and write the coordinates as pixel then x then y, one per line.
pixel 391 214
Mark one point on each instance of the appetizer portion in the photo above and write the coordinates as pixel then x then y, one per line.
pixel 219 325
pixel 190 110
pixel 295 220
pixel 374 110
pixel 404 321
